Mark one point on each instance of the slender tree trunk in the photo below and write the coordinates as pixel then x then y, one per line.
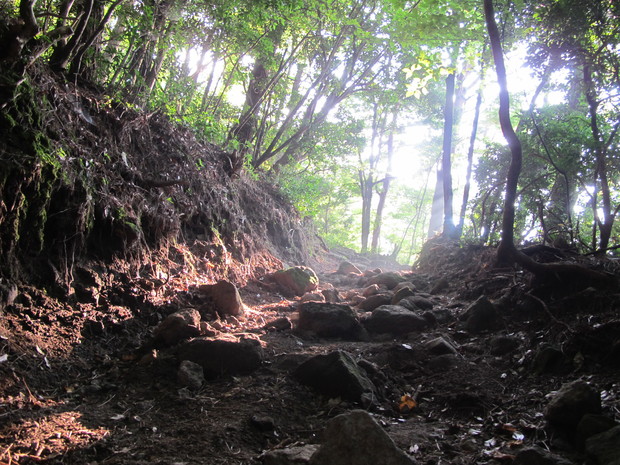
pixel 434 225
pixel 606 223
pixel 506 249
pixel 470 161
pixel 376 233
pixel 446 161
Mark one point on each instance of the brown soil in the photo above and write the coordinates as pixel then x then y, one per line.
pixel 76 389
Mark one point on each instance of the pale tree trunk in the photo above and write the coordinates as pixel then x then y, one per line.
pixel 435 222
pixel 470 160
pixel 376 233
pixel 446 161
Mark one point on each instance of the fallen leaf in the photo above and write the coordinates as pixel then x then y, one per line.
pixel 407 403
pixel 4 358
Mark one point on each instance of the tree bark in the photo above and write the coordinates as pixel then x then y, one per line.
pixel 449 230
pixel 470 161
pixel 506 249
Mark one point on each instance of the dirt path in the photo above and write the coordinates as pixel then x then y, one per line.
pixel 76 389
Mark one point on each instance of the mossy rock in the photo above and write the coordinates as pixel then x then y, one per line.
pixel 298 280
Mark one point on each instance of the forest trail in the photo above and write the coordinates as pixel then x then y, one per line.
pixel 460 389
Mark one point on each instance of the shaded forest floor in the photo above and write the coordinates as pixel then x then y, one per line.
pixel 109 216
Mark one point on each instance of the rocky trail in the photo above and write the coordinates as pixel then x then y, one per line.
pixel 452 363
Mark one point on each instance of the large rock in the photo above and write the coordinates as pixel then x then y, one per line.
pixel 571 403
pixel 177 327
pixel 221 357
pixel 336 375
pixel 416 302
pixel 388 279
pixel 298 280
pixel 329 320
pixel 394 319
pixel 605 447
pixel 481 316
pixel 374 301
pixel 224 297
pixel 356 438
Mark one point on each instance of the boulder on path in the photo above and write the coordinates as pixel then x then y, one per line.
pixel 298 280
pixel 605 447
pixel 329 320
pixel 221 357
pixel 394 319
pixel 356 438
pixel 312 297
pixel 177 327
pixel 481 316
pixel 224 297
pixel 388 279
pixel 415 302
pixel 348 268
pixel 374 301
pixel 299 455
pixel 571 403
pixel 336 375
pixel 401 293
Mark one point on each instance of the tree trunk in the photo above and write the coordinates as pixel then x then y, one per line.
pixel 434 225
pixel 470 160
pixel 605 224
pixel 376 233
pixel 506 249
pixel 446 161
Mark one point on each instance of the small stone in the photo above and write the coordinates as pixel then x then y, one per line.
pixel 299 455
pixel 347 268
pixel 388 279
pixel 336 375
pixel 263 423
pixel 440 286
pixel 440 346
pixel 312 297
pixel 190 375
pixel 371 290
pixel 356 438
pixel 405 285
pixel 177 327
pixel 571 403
pixel 401 294
pixel 221 357
pixel 331 295
pixel 224 297
pixel 417 302
pixel 374 301
pixel 550 360
pixel 393 319
pixel 279 324
pixel 481 316
pixel 298 280
pixel 329 320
